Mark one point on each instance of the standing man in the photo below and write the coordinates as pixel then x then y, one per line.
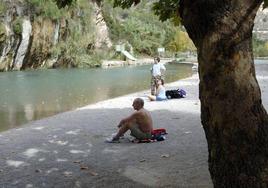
pixel 157 72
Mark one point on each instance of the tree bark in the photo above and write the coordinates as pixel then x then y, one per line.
pixel 233 117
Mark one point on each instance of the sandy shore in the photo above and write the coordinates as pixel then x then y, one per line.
pixel 68 150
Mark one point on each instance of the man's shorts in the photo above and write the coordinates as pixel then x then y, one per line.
pixel 137 133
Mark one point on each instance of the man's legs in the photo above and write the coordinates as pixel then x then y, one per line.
pixel 122 130
pixel 153 86
pixel 135 131
pixel 154 81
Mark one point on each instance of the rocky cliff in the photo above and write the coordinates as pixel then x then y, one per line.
pixel 32 37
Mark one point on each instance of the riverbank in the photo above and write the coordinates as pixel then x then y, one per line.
pixel 68 150
pixel 143 61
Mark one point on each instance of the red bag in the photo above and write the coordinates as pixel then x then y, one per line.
pixel 160 131
pixel 156 136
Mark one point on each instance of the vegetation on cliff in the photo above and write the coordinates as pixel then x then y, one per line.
pixel 46 8
pixel 139 27
pixel 67 37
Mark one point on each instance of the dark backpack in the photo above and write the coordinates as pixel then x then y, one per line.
pixel 175 93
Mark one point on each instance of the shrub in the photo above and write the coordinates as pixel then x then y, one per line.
pixel 46 8
pixel 181 43
pixel 3 8
pixel 260 48
pixel 2 35
pixel 17 26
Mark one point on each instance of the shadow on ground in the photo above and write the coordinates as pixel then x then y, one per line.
pixel 68 150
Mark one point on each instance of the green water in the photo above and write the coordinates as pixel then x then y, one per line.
pixel 32 95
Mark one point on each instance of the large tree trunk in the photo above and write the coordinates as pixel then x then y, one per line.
pixel 234 120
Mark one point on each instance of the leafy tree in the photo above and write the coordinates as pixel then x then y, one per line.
pixel 234 119
pixel 181 42
pixel 260 48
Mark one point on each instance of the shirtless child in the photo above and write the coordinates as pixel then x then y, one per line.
pixel 139 123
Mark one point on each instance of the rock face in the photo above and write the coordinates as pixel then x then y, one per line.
pixel 102 37
pixel 11 40
pixel 24 44
pixel 43 39
pixel 30 40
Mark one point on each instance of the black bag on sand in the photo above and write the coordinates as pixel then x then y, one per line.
pixel 175 93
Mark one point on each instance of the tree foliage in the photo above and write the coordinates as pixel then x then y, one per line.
pixel 125 4
pixel 181 42
pixel 166 9
pixel 260 48
pixel 63 3
pixel 265 3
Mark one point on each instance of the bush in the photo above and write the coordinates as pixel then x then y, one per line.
pixel 3 8
pixel 75 48
pixel 81 33
pixel 181 43
pixel 260 48
pixel 2 34
pixel 17 26
pixel 46 8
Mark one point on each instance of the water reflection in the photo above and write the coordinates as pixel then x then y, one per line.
pixel 29 112
pixel 31 95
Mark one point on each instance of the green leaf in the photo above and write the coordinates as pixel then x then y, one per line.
pixel 125 3
pixel 167 9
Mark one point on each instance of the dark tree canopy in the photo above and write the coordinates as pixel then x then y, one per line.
pixel 63 3
pixel 166 9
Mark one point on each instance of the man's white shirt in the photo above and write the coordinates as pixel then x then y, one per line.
pixel 156 69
